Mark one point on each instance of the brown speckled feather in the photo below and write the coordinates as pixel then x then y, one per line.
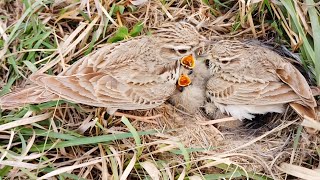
pixel 248 79
pixel 138 73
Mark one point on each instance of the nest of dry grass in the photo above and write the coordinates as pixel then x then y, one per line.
pixel 61 140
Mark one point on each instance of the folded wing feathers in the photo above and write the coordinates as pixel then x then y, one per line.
pixel 29 95
pixel 292 77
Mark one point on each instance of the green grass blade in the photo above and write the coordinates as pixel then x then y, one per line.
pixel 291 10
pixel 314 19
pixel 6 88
pixel 134 133
pixel 88 140
pixel 50 134
pixel 31 9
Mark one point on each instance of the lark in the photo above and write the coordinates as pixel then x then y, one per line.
pixel 248 79
pixel 138 73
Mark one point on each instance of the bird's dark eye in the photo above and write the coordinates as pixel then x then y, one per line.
pixel 182 51
pixel 224 62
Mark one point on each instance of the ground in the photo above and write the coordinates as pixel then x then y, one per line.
pixel 61 140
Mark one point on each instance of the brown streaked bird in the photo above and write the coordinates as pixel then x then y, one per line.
pixel 139 73
pixel 249 79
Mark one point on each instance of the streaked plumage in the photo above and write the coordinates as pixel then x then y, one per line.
pixel 138 73
pixel 250 79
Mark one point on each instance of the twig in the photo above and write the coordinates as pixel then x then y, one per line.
pixel 217 121
pixel 139 118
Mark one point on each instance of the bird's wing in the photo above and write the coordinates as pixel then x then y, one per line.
pixel 116 75
pixel 111 56
pixel 261 71
pixel 28 95
pixel 105 90
pixel 252 93
pixel 293 78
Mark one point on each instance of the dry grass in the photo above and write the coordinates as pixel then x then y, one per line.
pixel 61 140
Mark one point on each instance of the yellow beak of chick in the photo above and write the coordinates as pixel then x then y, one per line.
pixel 184 80
pixel 188 61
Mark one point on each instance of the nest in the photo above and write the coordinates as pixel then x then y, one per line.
pixel 180 145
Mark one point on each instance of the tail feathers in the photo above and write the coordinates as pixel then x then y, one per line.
pixel 31 95
pixel 315 90
pixel 306 113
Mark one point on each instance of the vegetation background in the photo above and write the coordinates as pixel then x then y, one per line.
pixel 61 140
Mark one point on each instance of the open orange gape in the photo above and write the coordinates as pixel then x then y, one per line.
pixel 189 63
pixel 184 80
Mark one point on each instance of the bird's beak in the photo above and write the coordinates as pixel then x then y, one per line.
pixel 188 61
pixel 184 80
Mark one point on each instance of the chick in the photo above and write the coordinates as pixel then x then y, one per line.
pixel 192 97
